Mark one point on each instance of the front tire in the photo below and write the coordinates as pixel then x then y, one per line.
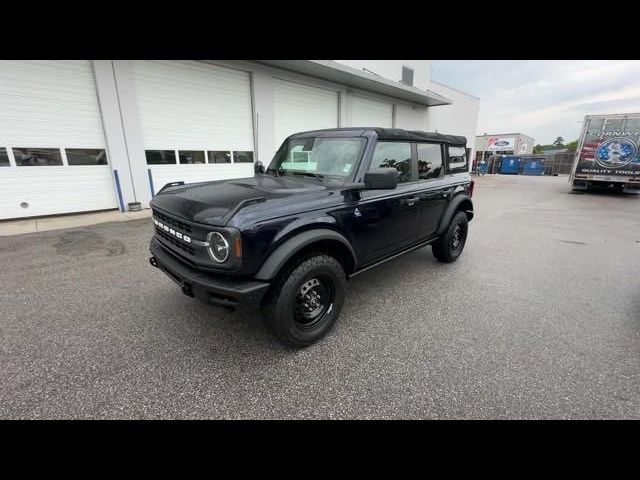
pixel 305 301
pixel 449 246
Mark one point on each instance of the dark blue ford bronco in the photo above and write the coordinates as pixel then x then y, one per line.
pixel 330 205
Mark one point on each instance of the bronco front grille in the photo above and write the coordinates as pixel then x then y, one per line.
pixel 176 243
pixel 174 223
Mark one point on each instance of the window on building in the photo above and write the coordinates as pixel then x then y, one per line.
pixel 242 157
pixel 429 160
pixel 26 156
pixel 457 159
pixel 160 157
pixel 219 156
pixel 86 156
pixel 4 157
pixel 191 156
pixel 394 155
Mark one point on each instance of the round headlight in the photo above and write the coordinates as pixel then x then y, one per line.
pixel 218 247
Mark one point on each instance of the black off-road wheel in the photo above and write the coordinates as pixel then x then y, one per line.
pixel 450 245
pixel 305 301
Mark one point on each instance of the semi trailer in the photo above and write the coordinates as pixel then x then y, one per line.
pixel 608 153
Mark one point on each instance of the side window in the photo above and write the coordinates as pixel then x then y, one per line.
pixel 394 155
pixel 242 156
pixel 429 160
pixel 86 156
pixel 457 159
pixel 191 156
pixel 160 157
pixel 219 156
pixel 37 156
pixel 4 157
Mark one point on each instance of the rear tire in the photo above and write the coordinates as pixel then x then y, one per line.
pixel 580 186
pixel 305 301
pixel 449 246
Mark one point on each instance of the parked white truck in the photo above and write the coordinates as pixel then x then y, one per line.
pixel 608 153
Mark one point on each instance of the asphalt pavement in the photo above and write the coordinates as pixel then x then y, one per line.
pixel 539 318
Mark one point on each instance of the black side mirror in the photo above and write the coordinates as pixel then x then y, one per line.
pixel 381 179
pixel 258 167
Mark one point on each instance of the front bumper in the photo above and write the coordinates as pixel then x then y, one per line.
pixel 236 294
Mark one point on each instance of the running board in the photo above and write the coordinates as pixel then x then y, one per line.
pixel 396 255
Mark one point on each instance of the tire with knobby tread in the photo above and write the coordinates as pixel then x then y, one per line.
pixel 442 248
pixel 278 310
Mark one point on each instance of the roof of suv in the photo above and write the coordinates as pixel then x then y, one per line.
pixel 396 134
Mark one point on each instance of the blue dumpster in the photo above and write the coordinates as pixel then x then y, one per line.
pixel 533 166
pixel 510 165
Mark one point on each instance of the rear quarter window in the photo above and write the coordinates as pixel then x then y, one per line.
pixel 457 159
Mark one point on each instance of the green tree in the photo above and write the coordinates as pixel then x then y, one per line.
pixel 572 146
pixel 558 142
pixel 543 148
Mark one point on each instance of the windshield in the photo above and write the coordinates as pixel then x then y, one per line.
pixel 318 156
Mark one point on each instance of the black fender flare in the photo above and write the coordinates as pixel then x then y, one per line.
pixel 290 247
pixel 451 209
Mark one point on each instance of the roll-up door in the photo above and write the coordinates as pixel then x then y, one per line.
pixel 298 108
pixel 365 112
pixel 52 147
pixel 196 121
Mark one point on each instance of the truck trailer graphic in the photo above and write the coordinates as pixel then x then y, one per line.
pixel 608 153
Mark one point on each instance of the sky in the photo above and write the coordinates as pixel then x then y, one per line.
pixel 544 99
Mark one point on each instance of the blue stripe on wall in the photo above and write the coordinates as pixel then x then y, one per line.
pixel 115 173
pixel 151 182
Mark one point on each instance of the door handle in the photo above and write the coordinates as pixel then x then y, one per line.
pixel 446 193
pixel 411 201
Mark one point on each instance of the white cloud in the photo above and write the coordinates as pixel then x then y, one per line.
pixel 544 99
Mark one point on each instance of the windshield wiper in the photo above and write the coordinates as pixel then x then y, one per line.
pixel 308 174
pixel 271 169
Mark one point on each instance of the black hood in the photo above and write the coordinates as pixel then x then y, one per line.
pixel 213 202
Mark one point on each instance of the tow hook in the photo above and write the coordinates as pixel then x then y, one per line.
pixel 153 262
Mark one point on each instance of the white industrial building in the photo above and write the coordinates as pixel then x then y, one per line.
pixel 503 144
pixel 85 135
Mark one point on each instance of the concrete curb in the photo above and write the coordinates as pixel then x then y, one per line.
pixel 43 224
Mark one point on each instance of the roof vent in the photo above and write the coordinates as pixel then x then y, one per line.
pixel 407 76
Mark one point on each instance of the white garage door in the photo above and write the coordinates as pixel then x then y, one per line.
pixel 196 121
pixel 297 108
pixel 52 148
pixel 364 112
